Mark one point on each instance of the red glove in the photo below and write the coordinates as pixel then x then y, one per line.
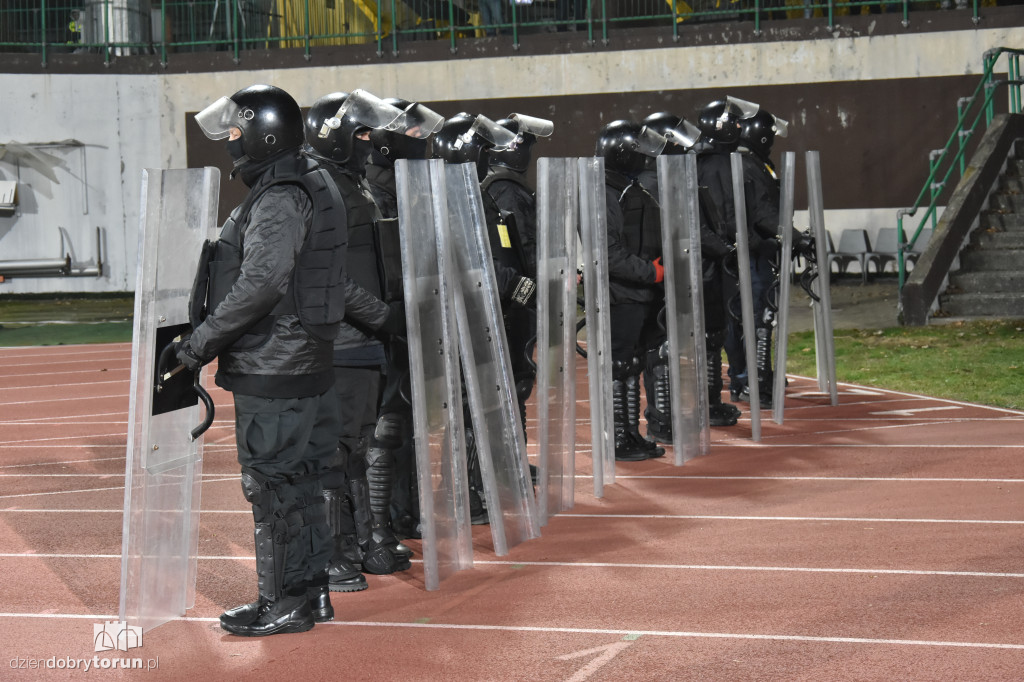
pixel 659 270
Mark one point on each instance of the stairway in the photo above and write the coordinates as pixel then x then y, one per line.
pixel 990 281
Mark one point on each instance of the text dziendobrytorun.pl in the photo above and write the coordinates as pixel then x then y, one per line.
pixel 86 664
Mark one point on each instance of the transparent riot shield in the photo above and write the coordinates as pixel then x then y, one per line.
pixel 164 464
pixel 557 216
pixel 746 293
pixel 594 235
pixel 824 344
pixel 786 179
pixel 486 367
pixel 684 315
pixel 434 371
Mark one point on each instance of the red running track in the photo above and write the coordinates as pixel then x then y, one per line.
pixel 880 539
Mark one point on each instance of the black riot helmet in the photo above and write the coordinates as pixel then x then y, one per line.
pixel 758 132
pixel 527 129
pixel 626 145
pixel 269 118
pixel 719 121
pixel 420 123
pixel 680 133
pixel 465 138
pixel 334 121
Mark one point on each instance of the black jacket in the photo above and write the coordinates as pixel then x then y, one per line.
pixel 290 363
pixel 634 241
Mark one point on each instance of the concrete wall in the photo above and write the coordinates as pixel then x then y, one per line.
pixel 129 122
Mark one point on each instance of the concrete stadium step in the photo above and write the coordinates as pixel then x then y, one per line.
pixel 1007 202
pixel 983 305
pixel 997 239
pixel 974 260
pixel 1001 221
pixel 998 281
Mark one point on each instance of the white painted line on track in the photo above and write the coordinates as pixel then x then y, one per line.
pixel 682 517
pixel 577 631
pixel 83 383
pixel 17 403
pixel 96 490
pixel 70 371
pixel 64 417
pixel 66 461
pixel 739 443
pixel 599 564
pixel 894 479
pixel 724 517
pixel 116 434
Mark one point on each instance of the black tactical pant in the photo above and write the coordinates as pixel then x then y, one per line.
pixel 287 444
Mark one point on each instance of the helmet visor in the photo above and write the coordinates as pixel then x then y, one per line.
pixel 650 142
pixel 747 109
pixel 366 109
pixel 421 122
pixel 502 138
pixel 219 118
pixel 532 125
pixel 685 134
pixel 781 127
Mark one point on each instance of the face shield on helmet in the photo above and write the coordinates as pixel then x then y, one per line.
pixel 680 134
pixel 419 121
pixel 366 109
pixel 499 138
pixel 217 120
pixel 626 145
pixel 527 129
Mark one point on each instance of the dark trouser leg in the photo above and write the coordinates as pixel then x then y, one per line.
pixel 659 397
pixel 721 414
pixel 284 446
pixel 395 405
pixel 380 472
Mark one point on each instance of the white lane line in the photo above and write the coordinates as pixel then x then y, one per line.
pixel 598 564
pixel 861 429
pixel 83 383
pixel 575 631
pixel 682 517
pixel 96 490
pixel 70 371
pixel 117 434
pixel 739 443
pixel 66 461
pixel 64 417
pixel 17 403
pixel 894 479
pixel 913 411
pixel 723 517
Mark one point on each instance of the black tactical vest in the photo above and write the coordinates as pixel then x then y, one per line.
pixel 316 294
pixel 641 219
pixel 362 215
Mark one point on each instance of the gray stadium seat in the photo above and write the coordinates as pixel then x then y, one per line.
pixel 854 246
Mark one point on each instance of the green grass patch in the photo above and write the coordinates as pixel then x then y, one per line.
pixel 69 319
pixel 978 361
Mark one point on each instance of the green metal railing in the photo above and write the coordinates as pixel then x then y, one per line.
pixel 119 28
pixel 953 157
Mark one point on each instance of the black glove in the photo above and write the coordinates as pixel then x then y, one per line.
pixel 804 245
pixel 525 293
pixel 186 356
pixel 394 323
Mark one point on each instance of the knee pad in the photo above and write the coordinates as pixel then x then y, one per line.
pixel 259 491
pixel 389 430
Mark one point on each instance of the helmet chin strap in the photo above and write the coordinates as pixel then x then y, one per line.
pixel 237 166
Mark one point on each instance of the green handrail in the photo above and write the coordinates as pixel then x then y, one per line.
pixel 961 135
pixel 234 26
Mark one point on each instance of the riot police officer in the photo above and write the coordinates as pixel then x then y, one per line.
pixel 683 137
pixel 274 349
pixel 506 184
pixel 338 126
pixel 719 123
pixel 469 139
pixel 391 464
pixel 635 276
